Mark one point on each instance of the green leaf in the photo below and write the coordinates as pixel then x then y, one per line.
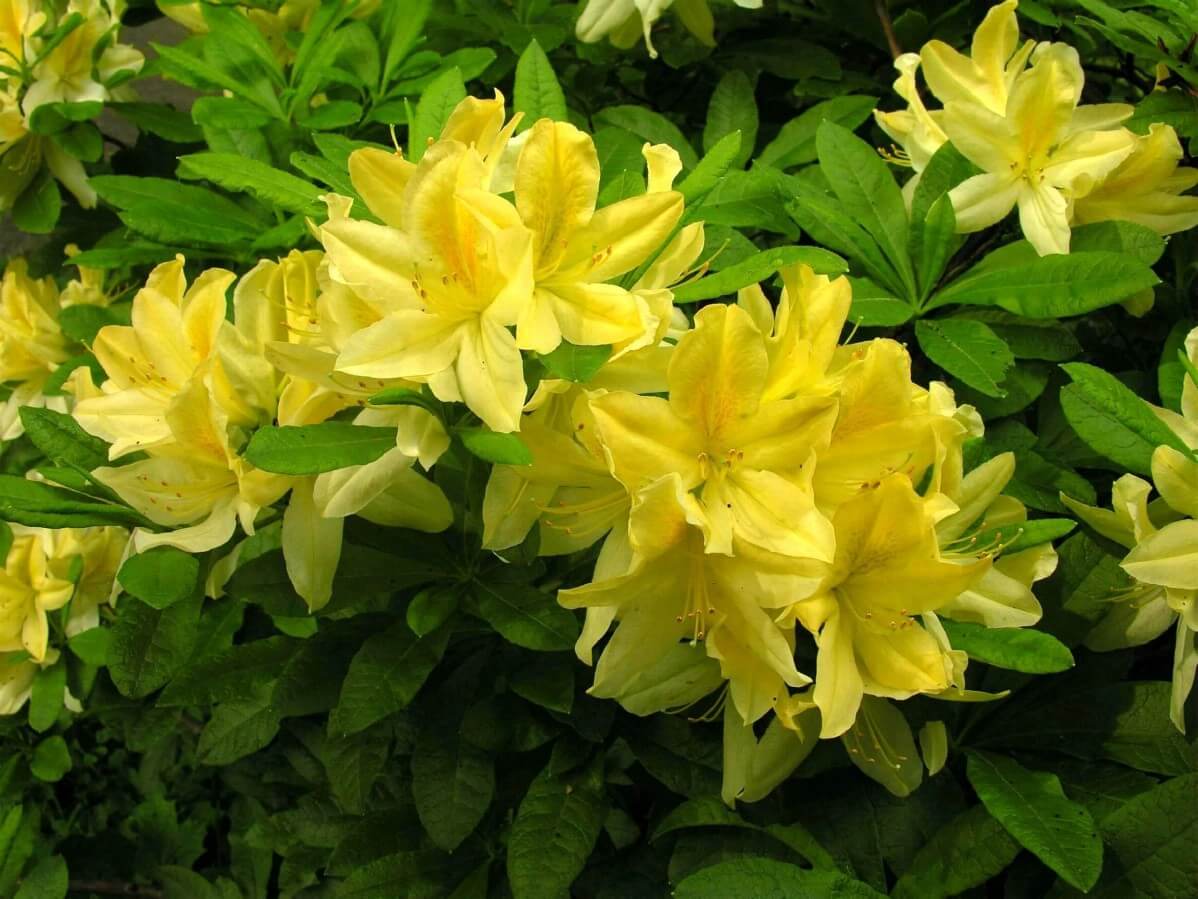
pixel 229 113
pixel 402 25
pixel 270 185
pixel 548 682
pixel 1126 723
pixel 39 505
pixel 431 608
pixel 161 120
pixel 649 126
pixel 51 760
pixel 1034 809
pixel 1028 338
pixel 1150 844
pixel 554 832
pixel 238 728
pixel 576 363
pixel 160 577
pixel 933 240
pixel 150 645
pixel 453 782
pixel 422 874
pixel 45 702
pixel 172 212
pixel 824 221
pixel 92 645
pixel 1051 286
pixel 1018 649
pixel 1027 534
pixel 50 118
pixel 48 879
pixel 36 209
pixel 711 169
pixel 230 674
pixel 490 446
pixel 767 878
pixel 537 94
pixel 334 114
pixel 945 170
pixel 705 811
pixel 436 103
pixel 525 616
pixel 82 141
pixel 83 322
pixel 353 765
pixel 752 200
pixel 869 193
pixel 59 436
pixel 757 268
pixel 874 306
pixel 312 449
pixel 795 142
pixel 965 853
pixel 968 350
pixel 733 107
pixel 1112 420
pixel 385 676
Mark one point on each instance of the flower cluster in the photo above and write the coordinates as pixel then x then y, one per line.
pixel 786 490
pixel 1162 539
pixel 57 54
pixel 32 344
pixel 46 570
pixel 1013 111
pixel 763 493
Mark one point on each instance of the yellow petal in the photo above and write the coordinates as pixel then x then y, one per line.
pixel 405 344
pixel 311 546
pixel 838 684
pixel 380 177
pixel 1176 477
pixel 1168 558
pixel 646 440
pixel 490 374
pixel 557 183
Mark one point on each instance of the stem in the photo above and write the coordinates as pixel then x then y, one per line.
pixel 882 7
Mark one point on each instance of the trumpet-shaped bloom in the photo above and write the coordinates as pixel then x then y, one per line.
pixel 676 595
pixel 1036 151
pixel 888 569
pixel 749 459
pixel 624 22
pixel 1146 187
pixel 463 269
pixel 576 248
pixel 916 129
pixel 179 338
pixel 987 75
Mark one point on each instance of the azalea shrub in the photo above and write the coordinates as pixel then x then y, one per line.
pixel 515 448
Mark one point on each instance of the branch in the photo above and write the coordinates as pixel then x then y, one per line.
pixel 883 9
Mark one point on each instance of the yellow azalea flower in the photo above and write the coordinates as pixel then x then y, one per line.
pixel 915 129
pixel 749 459
pixel 179 337
pixel 31 344
pixel 676 596
pixel 1146 188
pixel 802 335
pixel 987 75
pixel 16 681
pixel 624 22
pixel 462 268
pixel 1035 152
pixel 884 423
pixel 1163 588
pixel 888 569
pixel 1002 597
pixel 576 248
pixel 753 767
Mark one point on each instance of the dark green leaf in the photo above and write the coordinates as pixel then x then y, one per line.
pixel 436 103
pixel 45 702
pixel 733 108
pixel 238 728
pixel 40 505
pixel 150 645
pixel 795 142
pixel 766 878
pixel 62 440
pixel 1035 810
pixel 36 209
pixel 48 879
pixel 452 782
pixel 160 577
pixel 525 616
pixel 556 828
pixel 51 760
pixel 969 850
